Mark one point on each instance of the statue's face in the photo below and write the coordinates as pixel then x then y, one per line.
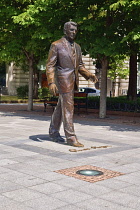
pixel 71 32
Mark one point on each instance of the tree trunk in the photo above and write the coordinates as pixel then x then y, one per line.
pixel 132 89
pixel 30 92
pixel 35 84
pixel 103 94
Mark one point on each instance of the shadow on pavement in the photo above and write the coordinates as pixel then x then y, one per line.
pixel 40 137
pixel 43 137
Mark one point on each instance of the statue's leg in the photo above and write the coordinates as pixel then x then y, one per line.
pixel 56 120
pixel 67 103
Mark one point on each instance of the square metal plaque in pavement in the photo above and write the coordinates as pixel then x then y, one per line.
pixel 100 173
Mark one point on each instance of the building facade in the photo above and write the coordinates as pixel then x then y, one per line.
pixel 15 77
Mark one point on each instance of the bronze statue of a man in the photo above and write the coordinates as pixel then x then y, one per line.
pixel 63 65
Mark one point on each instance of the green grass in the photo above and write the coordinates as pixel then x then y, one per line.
pixel 9 98
pixel 12 99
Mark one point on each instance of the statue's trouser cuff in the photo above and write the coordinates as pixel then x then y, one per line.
pixel 63 112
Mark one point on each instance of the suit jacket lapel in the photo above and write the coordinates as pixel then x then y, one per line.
pixel 68 49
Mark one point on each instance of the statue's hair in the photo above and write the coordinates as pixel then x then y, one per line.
pixel 67 25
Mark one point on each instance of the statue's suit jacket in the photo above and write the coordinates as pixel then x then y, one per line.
pixel 63 67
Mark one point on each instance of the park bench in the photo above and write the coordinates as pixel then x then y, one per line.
pixel 80 101
pixel 50 101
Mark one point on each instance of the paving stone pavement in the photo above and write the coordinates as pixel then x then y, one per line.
pixel 28 161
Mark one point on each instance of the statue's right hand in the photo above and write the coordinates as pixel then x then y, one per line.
pixel 53 89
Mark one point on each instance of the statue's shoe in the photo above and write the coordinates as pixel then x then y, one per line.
pixel 57 138
pixel 74 143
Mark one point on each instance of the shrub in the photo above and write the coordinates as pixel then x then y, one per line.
pixel 43 92
pixel 120 103
pixel 22 92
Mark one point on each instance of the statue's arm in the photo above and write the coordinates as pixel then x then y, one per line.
pixel 51 63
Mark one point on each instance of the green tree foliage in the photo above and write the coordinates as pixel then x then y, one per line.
pixel 118 68
pixel 108 29
pixel 27 31
pixel 129 30
pixel 21 42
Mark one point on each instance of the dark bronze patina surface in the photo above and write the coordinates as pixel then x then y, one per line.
pixel 63 66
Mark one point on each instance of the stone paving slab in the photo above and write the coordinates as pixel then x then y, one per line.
pixel 45 202
pixel 70 207
pixel 99 204
pixel 28 161
pixel 22 195
pixel 124 199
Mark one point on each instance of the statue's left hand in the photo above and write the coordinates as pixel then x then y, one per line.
pixel 93 78
pixel 53 89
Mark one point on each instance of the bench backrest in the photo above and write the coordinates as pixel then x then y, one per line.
pixel 80 94
pixel 77 94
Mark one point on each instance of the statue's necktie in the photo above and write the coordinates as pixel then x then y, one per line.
pixel 73 50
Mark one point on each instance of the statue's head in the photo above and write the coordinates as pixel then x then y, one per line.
pixel 70 30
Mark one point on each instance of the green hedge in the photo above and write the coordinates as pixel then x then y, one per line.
pixel 116 103
pixel 22 92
